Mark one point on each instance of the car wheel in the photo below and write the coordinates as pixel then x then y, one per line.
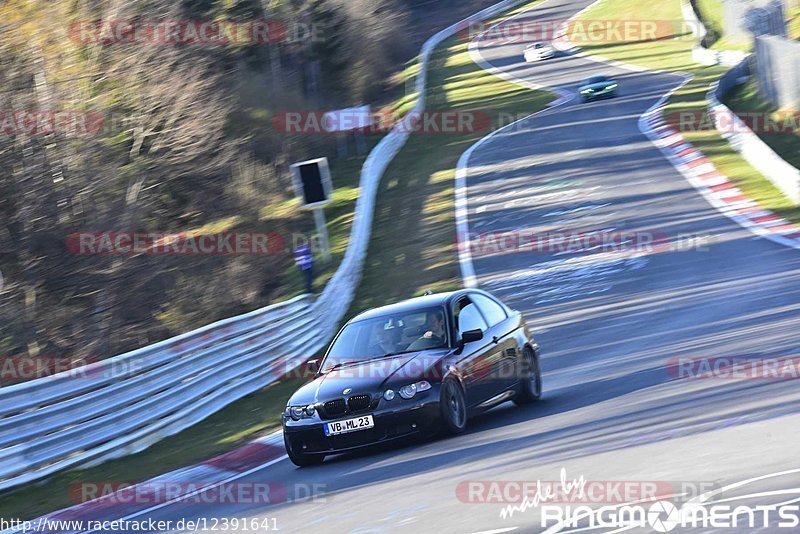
pixel 453 407
pixel 300 459
pixel 531 387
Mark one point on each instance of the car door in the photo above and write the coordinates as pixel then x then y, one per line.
pixel 474 362
pixel 501 332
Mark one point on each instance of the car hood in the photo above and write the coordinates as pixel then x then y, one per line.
pixel 371 377
pixel 597 86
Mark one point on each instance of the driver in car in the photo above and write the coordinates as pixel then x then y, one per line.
pixel 435 325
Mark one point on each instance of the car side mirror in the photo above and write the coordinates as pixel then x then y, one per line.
pixel 312 366
pixel 471 335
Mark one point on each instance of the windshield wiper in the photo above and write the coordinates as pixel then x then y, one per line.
pixel 387 355
pixel 340 365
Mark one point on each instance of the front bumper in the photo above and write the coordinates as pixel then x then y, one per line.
pixel 406 421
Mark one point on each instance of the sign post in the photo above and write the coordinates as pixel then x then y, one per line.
pixel 312 184
pixel 322 232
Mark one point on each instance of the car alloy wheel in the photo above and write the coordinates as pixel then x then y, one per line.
pixel 535 376
pixel 453 407
pixel 531 388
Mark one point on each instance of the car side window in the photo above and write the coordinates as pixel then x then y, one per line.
pixel 492 311
pixel 468 317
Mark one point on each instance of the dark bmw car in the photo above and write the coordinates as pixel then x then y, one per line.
pixel 416 368
pixel 596 87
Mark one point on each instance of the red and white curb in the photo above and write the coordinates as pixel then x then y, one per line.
pixel 187 483
pixel 693 164
pixel 715 187
pixel 468 276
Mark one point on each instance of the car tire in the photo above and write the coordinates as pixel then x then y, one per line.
pixel 300 459
pixel 453 407
pixel 531 387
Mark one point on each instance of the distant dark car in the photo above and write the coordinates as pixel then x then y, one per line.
pixel 416 368
pixel 596 87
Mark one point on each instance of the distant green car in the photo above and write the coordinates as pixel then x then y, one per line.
pixel 596 87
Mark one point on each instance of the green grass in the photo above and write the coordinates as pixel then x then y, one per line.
pixel 412 246
pixel 711 14
pixel 675 55
pixel 411 250
pixel 794 22
pixel 745 99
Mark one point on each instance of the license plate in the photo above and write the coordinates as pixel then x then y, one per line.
pixel 349 425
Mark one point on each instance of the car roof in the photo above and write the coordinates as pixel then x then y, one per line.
pixel 425 301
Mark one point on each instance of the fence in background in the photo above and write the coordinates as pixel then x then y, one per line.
pixel 785 176
pixel 745 19
pixel 777 70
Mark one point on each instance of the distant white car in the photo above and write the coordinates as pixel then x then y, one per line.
pixel 538 51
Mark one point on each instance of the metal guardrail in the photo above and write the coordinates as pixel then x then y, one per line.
pixel 124 404
pixel 783 175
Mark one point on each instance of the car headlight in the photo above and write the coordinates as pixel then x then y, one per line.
pixel 584 91
pixel 388 394
pixel 300 412
pixel 612 86
pixel 410 390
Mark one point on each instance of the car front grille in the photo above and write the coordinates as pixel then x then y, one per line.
pixel 335 408
pixel 356 403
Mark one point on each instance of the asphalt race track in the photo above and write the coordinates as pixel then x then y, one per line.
pixel 608 325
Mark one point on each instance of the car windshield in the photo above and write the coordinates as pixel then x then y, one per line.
pixel 595 79
pixel 393 333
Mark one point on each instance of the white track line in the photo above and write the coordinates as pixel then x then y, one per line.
pixel 461 201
